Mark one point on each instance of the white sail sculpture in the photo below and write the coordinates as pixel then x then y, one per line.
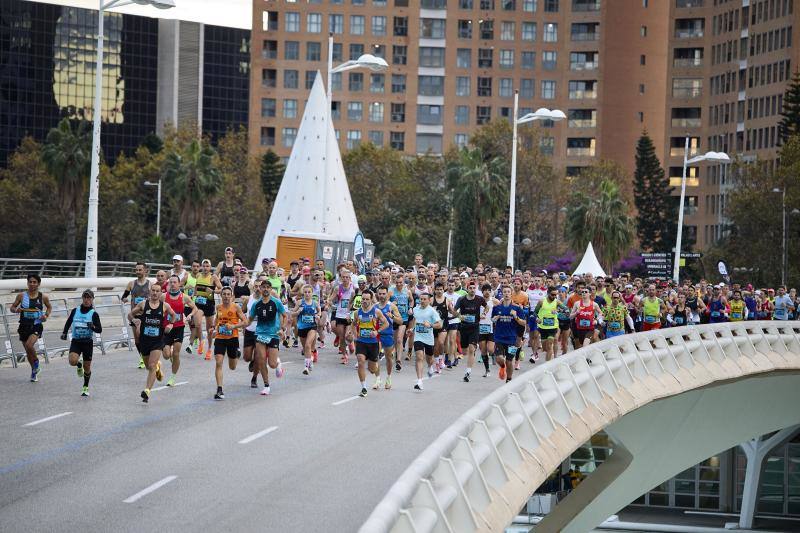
pixel 313 183
pixel 589 264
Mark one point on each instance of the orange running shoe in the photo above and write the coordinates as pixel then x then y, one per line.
pixel 502 373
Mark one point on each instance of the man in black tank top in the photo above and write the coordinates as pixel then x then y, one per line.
pixel 34 308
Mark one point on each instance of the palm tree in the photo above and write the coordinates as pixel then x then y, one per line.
pixel 67 155
pixel 403 243
pixel 192 179
pixel 480 188
pixel 601 219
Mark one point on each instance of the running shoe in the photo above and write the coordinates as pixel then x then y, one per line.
pixel 314 356
pixel 219 395
pixel 253 384
pixel 201 347
pixel 265 391
pixel 208 354
pixel 336 341
pixel 250 365
pixel 145 395
pixel 377 384
pixel 85 390
pixel 532 359
pixel 418 387
pixel 466 377
pixel 141 362
pixel 305 371
pixel 516 365
pixel 397 366
pixel 189 349
pixel 171 382
pixel 79 370
pixel 388 384
pixel 430 371
pixel 279 371
pixel 285 343
pixel 344 358
pixel 159 373
pixel 352 347
pixel 363 393
pixel 321 344
pixel 294 343
pixel 408 356
pixel 502 373
pixel 35 371
pixel 486 374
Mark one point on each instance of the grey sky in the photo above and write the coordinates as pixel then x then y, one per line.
pixel 232 13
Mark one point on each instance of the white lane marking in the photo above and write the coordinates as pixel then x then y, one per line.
pixel 258 435
pixel 49 418
pixel 350 399
pixel 162 387
pixel 155 486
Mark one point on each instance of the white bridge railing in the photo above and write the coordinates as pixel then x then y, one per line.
pixel 12 268
pixel 458 483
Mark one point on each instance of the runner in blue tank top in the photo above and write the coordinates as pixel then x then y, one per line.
pixel 307 314
pixel 394 318
pixel 367 327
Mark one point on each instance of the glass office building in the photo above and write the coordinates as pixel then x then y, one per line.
pixel 226 79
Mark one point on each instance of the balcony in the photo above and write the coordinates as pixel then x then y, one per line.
pixel 584 65
pixel 584 151
pixel 677 151
pixel 686 62
pixel 582 123
pixel 584 36
pixel 687 92
pixel 688 34
pixel 585 5
pixel 675 181
pixel 686 123
pixel 689 3
pixel 581 95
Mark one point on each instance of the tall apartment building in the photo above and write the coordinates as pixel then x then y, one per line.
pixel 710 69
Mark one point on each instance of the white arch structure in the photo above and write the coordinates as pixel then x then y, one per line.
pixel 668 398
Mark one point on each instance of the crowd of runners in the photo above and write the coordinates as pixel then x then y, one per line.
pixel 423 316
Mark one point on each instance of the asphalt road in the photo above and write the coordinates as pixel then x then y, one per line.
pixel 309 461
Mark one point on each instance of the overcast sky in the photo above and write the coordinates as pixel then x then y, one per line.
pixel 232 13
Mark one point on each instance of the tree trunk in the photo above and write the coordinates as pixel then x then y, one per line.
pixel 70 235
pixel 194 247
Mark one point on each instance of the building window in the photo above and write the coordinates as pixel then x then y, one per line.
pixel 336 81
pixel 270 50
pixel 580 89
pixel 376 112
pixel 398 83
pixel 433 4
pixel 507 31
pixel 379 50
pixel 354 111
pixel 462 115
pixel 356 25
pixel 431 56
pixel 356 51
pixel 314 23
pixel 398 113
pixel 642 59
pixel 292 22
pixel 290 79
pixel 583 60
pixel 429 114
pixel 528 59
pixel 267 107
pixel 580 147
pixel 399 54
pixel 465 4
pixel 584 31
pixel 687 87
pixel 336 23
pixel 291 50
pixel 547 144
pixel 487 29
pixel 483 114
pixel 375 137
pixel 337 52
pixel 551 6
pixel 550 32
pixel 509 5
pixel 549 60
pixel 432 28
pixel 464 57
pixel 269 77
pixel 431 85
pixel 506 58
pixel 400 26
pixel 379 26
pixel 267 136
pixel 582 118
pixel 397 140
pixel 353 139
pixel 462 85
pixel 290 108
pixel 526 88
pixel 377 82
pixel 355 81
pixel 465 29
pixel 429 143
pixel 548 91
pixel 461 140
pixel 506 87
pixel 310 76
pixel 485 57
pixel 528 31
pixel 643 31
pixel 484 86
pixel 486 5
pixel 269 21
pixel 336 112
pixel 313 51
pixel 529 5
pixel 288 135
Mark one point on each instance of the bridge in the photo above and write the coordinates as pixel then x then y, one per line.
pixel 315 457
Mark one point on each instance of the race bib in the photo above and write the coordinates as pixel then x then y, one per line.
pixel 307 319
pixel 715 314
pixel 82 330
pixel 780 313
pixel 225 330
pixel 190 291
pixel 485 328
pixel 512 350
pixel 419 328
pixel 736 315
pixel 137 300
pixel 365 333
pixel 33 315
pixel 344 303
pixel 679 320
pixel 263 339
pixel 548 321
pixel 201 300
pixel 469 319
pixel 614 326
pixel 152 331
pixel 584 323
pixel 650 319
pixel 403 308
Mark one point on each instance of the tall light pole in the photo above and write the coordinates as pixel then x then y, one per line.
pixel 158 205
pixel 783 245
pixel 718 157
pixel 97 111
pixel 540 114
pixel 367 61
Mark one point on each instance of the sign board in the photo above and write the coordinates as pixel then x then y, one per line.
pixel 722 266
pixel 658 264
pixel 359 253
pixel 327 252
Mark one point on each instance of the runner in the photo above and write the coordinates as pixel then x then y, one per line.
pixel 249 344
pixel 151 336
pixel 293 297
pixel 738 310
pixel 394 318
pixel 34 309
pixel 404 300
pixel 652 308
pixel 782 305
pixel 192 320
pixel 564 322
pixel 485 327
pixel 342 296
pixel 452 325
pixel 242 286
pixel 207 285
pixel 681 313
pixel 138 290
pixel 468 311
pixel 585 313
pixel 306 314
pixel 229 319
pixel 507 318
pixel 440 304
pixel 546 317
pixel 224 270
pixel 537 291
pixel 180 303
pixel 84 322
pixel 269 313
pixel 616 315
pixel 423 321
pixel 368 324
pixel 178 270
pixel 520 299
pixel 717 307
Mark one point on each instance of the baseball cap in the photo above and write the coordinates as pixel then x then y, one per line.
pixel 228 249
pixel 177 257
pixel 265 260
pixel 306 270
pixel 362 278
pixel 88 292
pixel 464 275
pixel 294 263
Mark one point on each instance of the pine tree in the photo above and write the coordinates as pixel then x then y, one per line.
pixel 271 175
pixel 790 123
pixel 657 210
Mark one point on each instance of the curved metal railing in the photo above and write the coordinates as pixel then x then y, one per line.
pixel 11 268
pixel 457 481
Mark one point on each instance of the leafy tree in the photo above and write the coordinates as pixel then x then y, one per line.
pixel 657 211
pixel 153 143
pixel 67 155
pixel 153 249
pixel 790 123
pixel 601 219
pixel 403 243
pixel 271 175
pixel 192 179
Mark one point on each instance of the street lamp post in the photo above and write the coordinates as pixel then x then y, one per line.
pixel 94 179
pixel 719 157
pixel 158 205
pixel 540 114
pixel 368 61
pixel 783 244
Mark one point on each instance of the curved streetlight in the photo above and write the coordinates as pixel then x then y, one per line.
pixel 97 111
pixel 540 114
pixel 713 157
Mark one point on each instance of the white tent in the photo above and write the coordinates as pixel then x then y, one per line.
pixel 589 264
pixel 312 183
